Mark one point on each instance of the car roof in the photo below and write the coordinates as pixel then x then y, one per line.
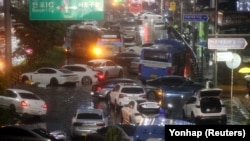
pixel 91 110
pixel 99 60
pixel 79 65
pixel 115 80
pixel 20 90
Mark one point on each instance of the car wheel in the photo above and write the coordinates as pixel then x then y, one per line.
pixel 53 82
pixel 151 96
pixel 24 79
pixel 86 80
pixel 193 118
pixel 224 121
pixel 12 109
pixel 183 114
pixel 120 73
pixel 106 75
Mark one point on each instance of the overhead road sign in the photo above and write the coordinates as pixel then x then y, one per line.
pixel 227 43
pixel 66 9
pixel 195 18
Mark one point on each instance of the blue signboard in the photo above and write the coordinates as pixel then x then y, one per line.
pixel 195 18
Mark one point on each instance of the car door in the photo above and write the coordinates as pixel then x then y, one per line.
pixel 112 68
pixel 189 105
pixel 40 76
pixel 10 96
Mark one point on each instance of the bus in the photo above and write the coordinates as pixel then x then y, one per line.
pixel 135 7
pixel 80 39
pixel 166 57
pixel 109 43
pixel 91 42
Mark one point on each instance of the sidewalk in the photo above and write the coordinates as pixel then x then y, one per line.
pixel 240 102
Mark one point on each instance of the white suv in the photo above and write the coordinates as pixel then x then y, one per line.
pixel 123 93
pixel 205 105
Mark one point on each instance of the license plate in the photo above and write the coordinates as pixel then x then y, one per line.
pixel 133 98
pixel 153 75
pixel 84 133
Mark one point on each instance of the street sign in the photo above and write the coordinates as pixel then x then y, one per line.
pixel 66 9
pixel 224 56
pixel 227 43
pixel 195 18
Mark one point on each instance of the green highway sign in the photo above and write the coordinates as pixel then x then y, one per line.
pixel 66 9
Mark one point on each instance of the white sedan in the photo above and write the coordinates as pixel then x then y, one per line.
pixel 23 102
pixel 50 76
pixel 150 16
pixel 138 49
pixel 107 67
pixel 87 76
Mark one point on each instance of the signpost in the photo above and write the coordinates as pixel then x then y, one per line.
pixel 195 18
pixel 66 9
pixel 227 43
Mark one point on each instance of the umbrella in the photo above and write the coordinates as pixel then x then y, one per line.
pixel 244 70
pixel 247 77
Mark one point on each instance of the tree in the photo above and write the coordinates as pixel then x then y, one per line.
pixel 39 36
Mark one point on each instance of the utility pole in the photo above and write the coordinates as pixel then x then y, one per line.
pixel 7 27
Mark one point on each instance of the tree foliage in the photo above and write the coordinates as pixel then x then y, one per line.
pixel 39 36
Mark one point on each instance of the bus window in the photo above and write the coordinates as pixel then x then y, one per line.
pixel 110 43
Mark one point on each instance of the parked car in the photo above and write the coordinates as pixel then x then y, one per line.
pixel 87 76
pixel 102 89
pixel 127 132
pixel 87 120
pixel 137 49
pixel 107 67
pixel 133 67
pixel 131 113
pixel 23 102
pixel 50 76
pixel 23 132
pixel 153 129
pixel 124 58
pixel 150 16
pixel 159 25
pixel 205 105
pixel 123 93
pixel 176 90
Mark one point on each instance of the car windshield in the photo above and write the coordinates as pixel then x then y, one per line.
pixel 29 96
pixel 132 90
pixel 44 133
pixel 89 116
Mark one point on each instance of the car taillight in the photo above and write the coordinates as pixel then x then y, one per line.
pixel 44 106
pixel 77 124
pixel 122 95
pixel 24 104
pixel 197 106
pixel 137 114
pixel 98 88
pixel 100 124
pixel 143 96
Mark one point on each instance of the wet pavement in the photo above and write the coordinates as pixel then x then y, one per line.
pixel 236 103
